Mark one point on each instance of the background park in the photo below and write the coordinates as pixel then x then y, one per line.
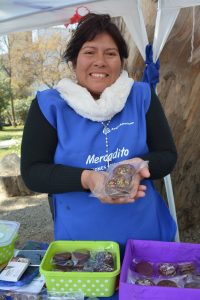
pixel 32 60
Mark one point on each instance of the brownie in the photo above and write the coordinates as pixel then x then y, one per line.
pixel 144 268
pixel 186 268
pixel 167 269
pixel 124 170
pixel 61 257
pixel 167 283
pixel 118 183
pixel 61 268
pixel 103 268
pixel 80 256
pixel 105 257
pixel 145 281
pixel 78 268
pixel 192 285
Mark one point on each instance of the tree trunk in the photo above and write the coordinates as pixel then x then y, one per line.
pixel 179 91
pixel 13 121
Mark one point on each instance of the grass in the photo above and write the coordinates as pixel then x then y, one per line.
pixel 9 133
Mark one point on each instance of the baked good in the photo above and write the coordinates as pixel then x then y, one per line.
pixel 144 281
pixel 105 257
pixel 186 268
pixel 103 268
pixel 144 268
pixel 118 184
pixel 167 269
pixel 124 170
pixel 64 268
pixel 167 283
pixel 61 257
pixel 80 256
pixel 192 285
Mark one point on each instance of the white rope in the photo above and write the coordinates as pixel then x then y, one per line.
pixel 192 37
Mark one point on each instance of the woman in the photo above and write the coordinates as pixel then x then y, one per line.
pixel 80 128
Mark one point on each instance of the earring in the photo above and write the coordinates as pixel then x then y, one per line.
pixel 73 76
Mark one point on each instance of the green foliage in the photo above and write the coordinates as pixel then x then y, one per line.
pixel 27 65
pixel 21 109
pixel 4 93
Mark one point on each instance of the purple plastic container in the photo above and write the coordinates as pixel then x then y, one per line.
pixel 157 251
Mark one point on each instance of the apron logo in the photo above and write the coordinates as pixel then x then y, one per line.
pixel 94 159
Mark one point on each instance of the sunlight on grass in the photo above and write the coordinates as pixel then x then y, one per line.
pixel 8 133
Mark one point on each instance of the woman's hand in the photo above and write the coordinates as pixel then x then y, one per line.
pixel 92 180
pixel 138 190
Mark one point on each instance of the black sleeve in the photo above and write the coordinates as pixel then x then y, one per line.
pixel 39 142
pixel 38 171
pixel 162 154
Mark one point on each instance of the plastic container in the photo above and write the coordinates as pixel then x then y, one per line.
pixel 65 296
pixel 8 236
pixel 92 284
pixel 157 251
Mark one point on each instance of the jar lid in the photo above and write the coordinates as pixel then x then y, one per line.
pixel 8 230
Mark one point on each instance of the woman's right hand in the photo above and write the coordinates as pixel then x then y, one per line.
pixel 91 180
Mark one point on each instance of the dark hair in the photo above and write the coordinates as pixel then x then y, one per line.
pixel 89 26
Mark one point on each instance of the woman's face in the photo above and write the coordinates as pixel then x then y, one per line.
pixel 98 64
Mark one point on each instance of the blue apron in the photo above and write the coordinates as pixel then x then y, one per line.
pixel 81 143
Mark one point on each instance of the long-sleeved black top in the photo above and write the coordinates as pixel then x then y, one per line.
pixel 39 142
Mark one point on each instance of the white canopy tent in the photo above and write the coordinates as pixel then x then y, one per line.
pixel 26 15
pixel 167 13
pixel 21 15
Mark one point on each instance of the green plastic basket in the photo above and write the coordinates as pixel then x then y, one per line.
pixel 8 236
pixel 92 284
pixel 7 252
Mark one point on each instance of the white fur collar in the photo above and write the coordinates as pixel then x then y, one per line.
pixel 111 101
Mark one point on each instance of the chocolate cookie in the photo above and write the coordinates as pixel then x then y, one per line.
pixel 81 256
pixel 124 170
pixel 167 269
pixel 192 285
pixel 105 257
pixel 60 268
pixel 167 283
pixel 103 268
pixel 144 268
pixel 186 268
pixel 144 281
pixel 118 183
pixel 61 257
pixel 117 186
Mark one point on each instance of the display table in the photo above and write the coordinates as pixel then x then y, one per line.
pixel 114 297
pixel 32 245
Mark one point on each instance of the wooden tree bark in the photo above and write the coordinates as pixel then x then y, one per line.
pixel 179 91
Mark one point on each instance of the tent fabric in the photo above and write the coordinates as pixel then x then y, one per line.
pixel 167 13
pixel 165 20
pixel 177 4
pixel 32 14
pixel 24 15
pixel 27 15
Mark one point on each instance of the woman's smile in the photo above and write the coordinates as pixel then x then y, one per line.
pixel 98 75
